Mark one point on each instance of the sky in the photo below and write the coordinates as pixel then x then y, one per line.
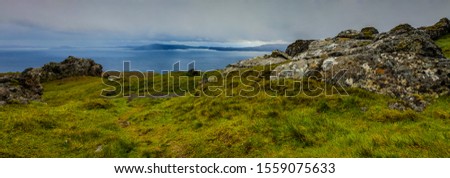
pixel 85 23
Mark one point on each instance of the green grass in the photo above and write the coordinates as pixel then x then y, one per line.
pixel 73 120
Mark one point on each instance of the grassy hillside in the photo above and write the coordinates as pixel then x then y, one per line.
pixel 73 120
pixel 444 43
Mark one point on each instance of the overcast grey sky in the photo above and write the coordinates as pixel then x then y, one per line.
pixel 247 22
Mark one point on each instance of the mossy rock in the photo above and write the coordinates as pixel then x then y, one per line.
pixel 402 28
pixel 351 34
pixel 438 30
pixel 390 115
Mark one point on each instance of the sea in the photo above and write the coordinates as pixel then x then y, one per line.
pixel 112 59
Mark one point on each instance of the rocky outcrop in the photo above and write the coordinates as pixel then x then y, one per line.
pixel 298 47
pixel 439 29
pixel 24 87
pixel 275 58
pixel 404 63
pixel 19 88
pixel 365 33
pixel 70 67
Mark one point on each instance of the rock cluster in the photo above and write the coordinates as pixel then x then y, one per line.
pixel 26 86
pixel 298 47
pixel 403 63
pixel 439 29
pixel 70 67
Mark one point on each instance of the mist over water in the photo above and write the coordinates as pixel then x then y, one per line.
pixel 16 60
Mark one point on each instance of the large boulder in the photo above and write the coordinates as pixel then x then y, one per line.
pixel 298 47
pixel 401 63
pixel 70 67
pixel 404 62
pixel 19 88
pixel 366 33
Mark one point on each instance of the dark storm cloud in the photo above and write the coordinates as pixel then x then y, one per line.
pixel 117 21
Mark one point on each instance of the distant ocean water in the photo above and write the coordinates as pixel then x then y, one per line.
pixel 13 60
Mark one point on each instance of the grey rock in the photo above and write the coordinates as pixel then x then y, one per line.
pixel 4 93
pixel 279 54
pixel 99 148
pixel 366 33
pixel 19 88
pixel 397 106
pixel 352 34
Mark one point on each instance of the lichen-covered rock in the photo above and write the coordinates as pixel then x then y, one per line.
pixel 294 69
pixel 401 63
pixel 352 34
pixel 368 33
pixel 439 29
pixel 298 47
pixel 70 67
pixel 406 40
pixel 19 88
pixel 279 54
pixel 404 63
